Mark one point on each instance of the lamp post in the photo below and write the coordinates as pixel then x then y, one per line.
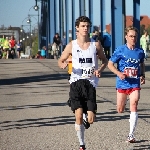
pixel 25 36
pixel 21 30
pixel 29 21
pixel 36 8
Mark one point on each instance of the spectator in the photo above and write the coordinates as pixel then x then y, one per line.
pixel 63 43
pixel 57 39
pixel 43 52
pixel 38 55
pixel 106 43
pixel 144 40
pixel 95 35
pixel 49 50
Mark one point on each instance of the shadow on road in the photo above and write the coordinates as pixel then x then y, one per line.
pixel 32 106
pixel 39 122
pixel 142 147
pixel 23 80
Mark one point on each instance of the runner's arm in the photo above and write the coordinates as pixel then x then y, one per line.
pixel 102 56
pixel 142 68
pixel 112 68
pixel 65 54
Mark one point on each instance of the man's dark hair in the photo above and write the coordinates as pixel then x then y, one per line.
pixel 82 19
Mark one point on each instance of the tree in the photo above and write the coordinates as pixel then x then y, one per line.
pixel 142 28
pixel 148 30
pixel 35 45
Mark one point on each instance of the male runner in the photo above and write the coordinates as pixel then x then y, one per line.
pixel 84 76
pixel 130 73
pixel 69 63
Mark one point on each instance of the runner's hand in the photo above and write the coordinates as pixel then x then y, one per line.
pixel 97 74
pixel 142 80
pixel 122 76
pixel 64 65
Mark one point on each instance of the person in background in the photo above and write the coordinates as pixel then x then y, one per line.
pixel 63 43
pixel 144 40
pixel 57 39
pixel 95 35
pixel 38 55
pixel 106 43
pixel 18 49
pixel 57 43
pixel 6 47
pixel 43 52
pixel 4 54
pixel 2 42
pixel 12 43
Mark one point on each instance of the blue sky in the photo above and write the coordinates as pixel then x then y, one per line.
pixel 13 12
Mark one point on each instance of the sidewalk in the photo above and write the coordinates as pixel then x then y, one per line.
pixel 34 114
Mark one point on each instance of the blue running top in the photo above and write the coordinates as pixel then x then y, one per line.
pixel 128 61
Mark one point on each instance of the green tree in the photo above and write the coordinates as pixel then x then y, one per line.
pixel 148 30
pixel 142 28
pixel 35 45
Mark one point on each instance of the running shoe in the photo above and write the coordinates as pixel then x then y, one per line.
pixel 82 147
pixel 131 139
pixel 86 124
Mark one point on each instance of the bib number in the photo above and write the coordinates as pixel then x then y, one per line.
pixel 87 72
pixel 131 72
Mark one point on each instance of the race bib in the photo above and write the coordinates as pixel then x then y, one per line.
pixel 87 72
pixel 131 72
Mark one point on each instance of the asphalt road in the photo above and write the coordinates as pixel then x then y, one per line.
pixel 34 114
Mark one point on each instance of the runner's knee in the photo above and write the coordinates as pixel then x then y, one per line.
pixel 120 109
pixel 133 106
pixel 79 116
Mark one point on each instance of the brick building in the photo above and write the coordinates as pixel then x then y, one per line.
pixel 144 20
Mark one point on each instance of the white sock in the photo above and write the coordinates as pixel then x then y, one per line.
pixel 80 133
pixel 84 116
pixel 133 122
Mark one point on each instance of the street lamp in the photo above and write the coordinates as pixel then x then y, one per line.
pixel 29 31
pixel 29 20
pixel 36 8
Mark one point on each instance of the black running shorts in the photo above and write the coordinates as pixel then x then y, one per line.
pixel 83 95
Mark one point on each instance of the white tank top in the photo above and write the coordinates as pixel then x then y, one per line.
pixel 84 62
